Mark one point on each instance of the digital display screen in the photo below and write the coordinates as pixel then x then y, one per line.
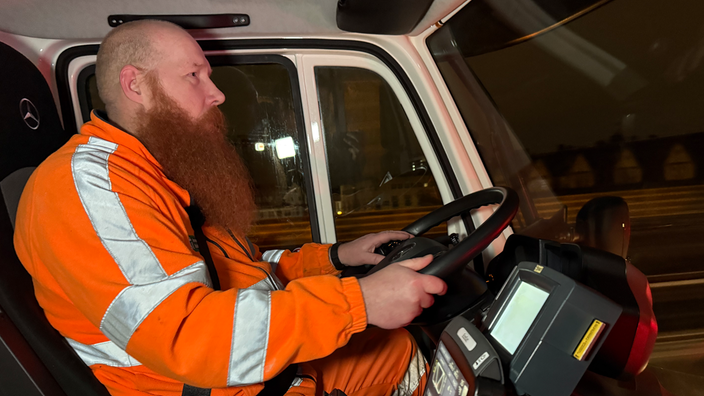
pixel 519 313
pixel 445 378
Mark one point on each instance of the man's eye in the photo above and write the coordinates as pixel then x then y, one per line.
pixel 193 74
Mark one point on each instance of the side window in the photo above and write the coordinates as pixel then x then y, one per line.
pixel 263 124
pixel 379 177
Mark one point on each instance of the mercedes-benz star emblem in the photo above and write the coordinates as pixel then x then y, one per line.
pixel 29 113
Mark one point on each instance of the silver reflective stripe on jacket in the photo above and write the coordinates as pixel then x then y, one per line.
pixel 249 337
pixel 107 353
pixel 251 333
pixel 107 215
pixel 273 257
pixel 136 302
pixel 149 283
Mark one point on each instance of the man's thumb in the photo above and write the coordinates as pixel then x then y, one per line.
pixel 418 263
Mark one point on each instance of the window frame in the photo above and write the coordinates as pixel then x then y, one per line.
pixel 309 63
pixel 81 84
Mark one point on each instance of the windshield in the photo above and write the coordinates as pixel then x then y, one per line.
pixel 568 101
pixel 605 104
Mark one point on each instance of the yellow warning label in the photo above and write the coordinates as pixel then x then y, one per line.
pixel 588 340
pixel 538 268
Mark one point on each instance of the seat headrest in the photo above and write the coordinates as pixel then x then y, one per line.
pixel 604 223
pixel 30 128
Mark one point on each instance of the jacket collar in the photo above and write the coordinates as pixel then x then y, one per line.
pixel 101 127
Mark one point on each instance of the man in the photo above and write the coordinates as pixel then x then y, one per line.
pixel 103 230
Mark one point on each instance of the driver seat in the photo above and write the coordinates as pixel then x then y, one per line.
pixel 34 357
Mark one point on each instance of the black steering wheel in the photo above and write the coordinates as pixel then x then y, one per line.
pixel 453 260
pixel 465 287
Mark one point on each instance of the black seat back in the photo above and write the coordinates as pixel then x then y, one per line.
pixel 30 130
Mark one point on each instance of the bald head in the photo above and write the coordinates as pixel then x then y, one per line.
pixel 138 58
pixel 133 43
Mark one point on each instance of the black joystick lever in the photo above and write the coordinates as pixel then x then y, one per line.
pixel 387 247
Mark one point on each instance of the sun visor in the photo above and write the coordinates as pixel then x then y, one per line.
pixel 380 17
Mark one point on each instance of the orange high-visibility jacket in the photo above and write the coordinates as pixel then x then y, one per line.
pixel 110 248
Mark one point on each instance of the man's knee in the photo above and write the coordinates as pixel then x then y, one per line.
pixel 408 361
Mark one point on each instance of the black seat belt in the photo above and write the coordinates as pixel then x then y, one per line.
pixel 277 386
pixel 197 221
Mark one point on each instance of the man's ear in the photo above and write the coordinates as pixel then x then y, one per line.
pixel 132 83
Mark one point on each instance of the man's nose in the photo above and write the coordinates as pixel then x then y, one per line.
pixel 216 96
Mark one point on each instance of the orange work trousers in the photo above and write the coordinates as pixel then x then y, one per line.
pixel 375 362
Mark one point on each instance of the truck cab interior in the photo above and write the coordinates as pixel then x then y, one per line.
pixel 562 238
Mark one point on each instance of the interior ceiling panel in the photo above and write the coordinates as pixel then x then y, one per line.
pixel 83 19
pixel 87 19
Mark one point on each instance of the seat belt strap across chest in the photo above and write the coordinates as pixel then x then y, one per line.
pixel 277 386
pixel 197 221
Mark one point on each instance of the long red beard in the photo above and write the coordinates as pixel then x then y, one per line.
pixel 197 156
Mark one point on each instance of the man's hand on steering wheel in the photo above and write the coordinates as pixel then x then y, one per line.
pixel 397 294
pixel 361 250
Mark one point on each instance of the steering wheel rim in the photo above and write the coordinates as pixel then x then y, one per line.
pixel 456 258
